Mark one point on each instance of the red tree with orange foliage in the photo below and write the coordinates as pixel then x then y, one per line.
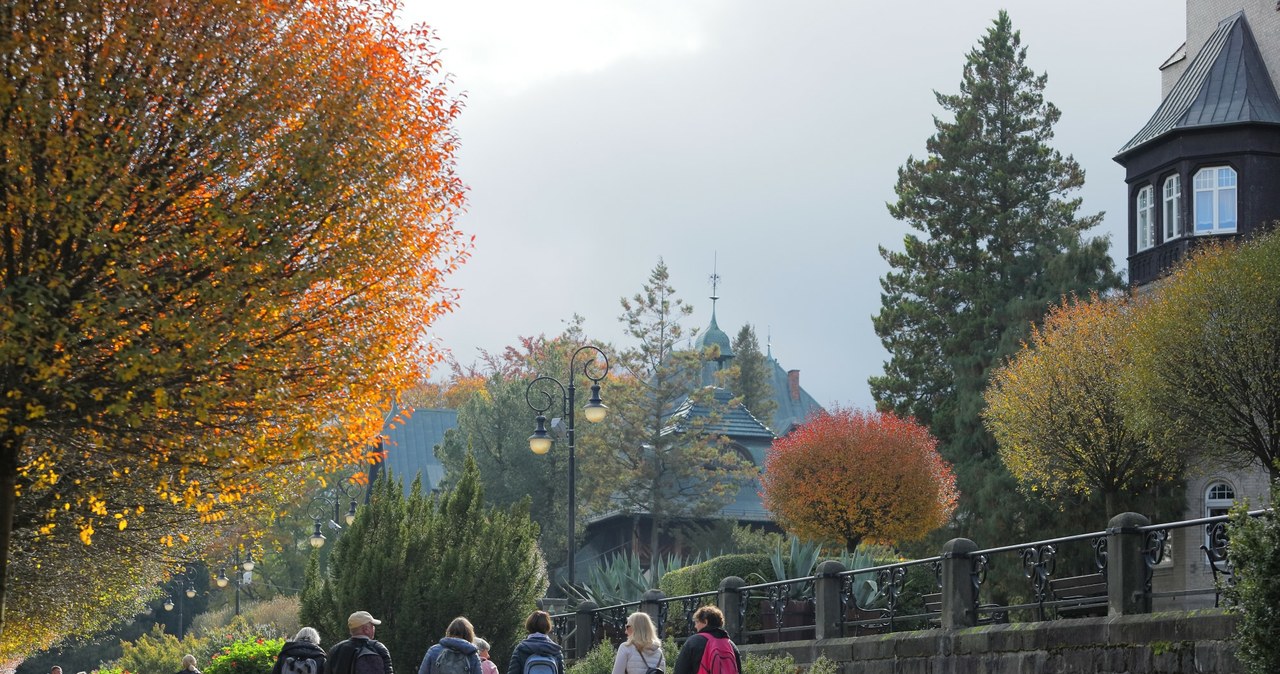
pixel 226 231
pixel 851 476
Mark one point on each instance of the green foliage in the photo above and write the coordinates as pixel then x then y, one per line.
pixel 418 561
pixel 622 578
pixel 316 607
pixel 823 665
pixel 275 617
pixel 161 652
pixel 638 464
pixel 706 576
pixel 1206 363
pixel 1255 596
pixel 599 660
pixel 750 376
pixel 996 240
pixel 248 656
pixel 770 664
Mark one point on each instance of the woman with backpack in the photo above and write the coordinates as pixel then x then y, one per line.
pixel 303 655
pixel 455 654
pixel 641 653
pixel 709 651
pixel 537 654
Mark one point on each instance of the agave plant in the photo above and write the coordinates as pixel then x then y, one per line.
pixel 621 579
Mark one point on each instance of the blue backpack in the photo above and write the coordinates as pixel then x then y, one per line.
pixel 540 664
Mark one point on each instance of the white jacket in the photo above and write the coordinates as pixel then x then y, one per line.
pixel 628 659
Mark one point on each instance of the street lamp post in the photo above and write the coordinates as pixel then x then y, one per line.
pixel 320 506
pixel 594 411
pixel 242 571
pixel 190 591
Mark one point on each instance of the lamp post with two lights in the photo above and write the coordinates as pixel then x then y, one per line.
pixel 594 411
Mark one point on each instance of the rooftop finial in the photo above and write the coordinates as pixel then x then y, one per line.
pixel 715 280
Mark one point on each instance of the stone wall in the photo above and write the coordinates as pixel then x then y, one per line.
pixel 1157 643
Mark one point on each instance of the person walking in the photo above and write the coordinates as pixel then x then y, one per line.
pixel 188 665
pixel 360 654
pixel 642 651
pixel 487 666
pixel 455 654
pixel 710 649
pixel 302 655
pixel 537 649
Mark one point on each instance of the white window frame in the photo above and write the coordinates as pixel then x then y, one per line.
pixel 1215 189
pixel 1173 207
pixel 1145 205
pixel 1219 496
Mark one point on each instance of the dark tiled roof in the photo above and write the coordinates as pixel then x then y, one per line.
pixel 736 423
pixel 410 445
pixel 790 412
pixel 1226 83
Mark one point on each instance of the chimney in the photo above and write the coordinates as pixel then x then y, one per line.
pixel 793 384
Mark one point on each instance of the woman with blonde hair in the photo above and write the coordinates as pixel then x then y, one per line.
pixel 641 651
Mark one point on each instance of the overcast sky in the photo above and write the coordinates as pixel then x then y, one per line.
pixel 601 135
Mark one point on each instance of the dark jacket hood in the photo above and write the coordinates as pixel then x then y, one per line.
pixel 301 649
pixel 541 644
pixel 461 645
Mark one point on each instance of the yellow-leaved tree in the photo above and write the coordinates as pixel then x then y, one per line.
pixel 226 230
pixel 1055 407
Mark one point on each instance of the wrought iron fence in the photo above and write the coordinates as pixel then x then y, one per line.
pixel 1065 577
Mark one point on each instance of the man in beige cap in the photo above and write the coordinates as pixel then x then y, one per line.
pixel 360 654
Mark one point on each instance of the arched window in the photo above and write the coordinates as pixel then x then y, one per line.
pixel 1146 209
pixel 1218 499
pixel 1172 207
pixel 1215 200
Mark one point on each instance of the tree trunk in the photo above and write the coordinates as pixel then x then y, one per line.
pixel 10 443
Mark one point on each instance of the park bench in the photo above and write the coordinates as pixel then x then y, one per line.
pixel 988 614
pixel 1083 596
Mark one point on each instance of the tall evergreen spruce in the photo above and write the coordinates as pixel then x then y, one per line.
pixel 646 462
pixel 996 241
pixel 750 375
pixel 418 561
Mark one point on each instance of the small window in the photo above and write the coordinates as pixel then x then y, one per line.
pixel 1172 207
pixel 1218 499
pixel 1146 209
pixel 1215 199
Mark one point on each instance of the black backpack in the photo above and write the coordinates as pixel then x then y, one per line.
pixel 650 669
pixel 300 665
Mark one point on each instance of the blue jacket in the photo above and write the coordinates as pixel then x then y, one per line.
pixel 539 644
pixel 453 643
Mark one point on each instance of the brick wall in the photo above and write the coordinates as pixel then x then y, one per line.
pixel 1202 19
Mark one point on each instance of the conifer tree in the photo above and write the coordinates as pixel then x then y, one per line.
pixel 996 242
pixel 749 376
pixel 417 561
pixel 646 462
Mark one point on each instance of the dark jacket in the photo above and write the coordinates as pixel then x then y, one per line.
pixel 690 659
pixel 343 656
pixel 298 650
pixel 536 643
pixel 453 643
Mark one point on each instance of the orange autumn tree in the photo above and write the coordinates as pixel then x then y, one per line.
pixel 851 476
pixel 227 228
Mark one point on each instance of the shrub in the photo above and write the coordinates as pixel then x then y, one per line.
pixel 1255 560
pixel 249 656
pixel 157 652
pixel 599 660
pixel 823 666
pixel 706 576
pixel 769 664
pixel 276 617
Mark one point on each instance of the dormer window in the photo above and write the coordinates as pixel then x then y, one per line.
pixel 1146 208
pixel 1215 200
pixel 1172 207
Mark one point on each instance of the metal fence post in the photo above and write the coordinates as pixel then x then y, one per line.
pixel 1126 565
pixel 959 592
pixel 828 609
pixel 584 633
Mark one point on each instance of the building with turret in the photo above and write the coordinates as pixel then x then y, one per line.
pixel 1206 167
